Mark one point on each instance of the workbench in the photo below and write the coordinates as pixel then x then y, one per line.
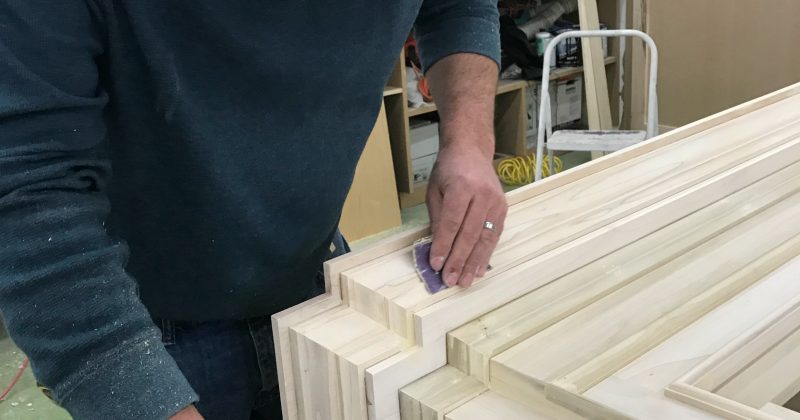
pixel 662 281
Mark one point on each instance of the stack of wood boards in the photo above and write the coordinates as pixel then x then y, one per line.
pixel 642 285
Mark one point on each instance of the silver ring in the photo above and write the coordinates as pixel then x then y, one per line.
pixel 488 225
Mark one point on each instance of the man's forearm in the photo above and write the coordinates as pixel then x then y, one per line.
pixel 465 201
pixel 463 87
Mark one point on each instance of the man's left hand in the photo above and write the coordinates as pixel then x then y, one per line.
pixel 464 197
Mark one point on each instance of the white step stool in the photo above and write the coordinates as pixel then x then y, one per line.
pixel 594 141
pixel 588 140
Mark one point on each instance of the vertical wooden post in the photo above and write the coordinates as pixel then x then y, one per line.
pixel 597 104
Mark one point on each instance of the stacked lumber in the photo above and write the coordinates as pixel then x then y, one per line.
pixel 641 285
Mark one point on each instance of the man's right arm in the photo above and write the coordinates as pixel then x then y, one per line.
pixel 64 293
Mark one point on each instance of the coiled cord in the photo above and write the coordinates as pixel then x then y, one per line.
pixel 521 170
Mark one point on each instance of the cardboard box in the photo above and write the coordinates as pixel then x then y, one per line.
pixel 421 168
pixel 424 139
pixel 532 103
pixel 568 100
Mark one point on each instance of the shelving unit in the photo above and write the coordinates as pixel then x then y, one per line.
pixel 392 90
pixel 372 204
pixel 504 86
pixel 510 112
pixel 510 118
pixel 510 126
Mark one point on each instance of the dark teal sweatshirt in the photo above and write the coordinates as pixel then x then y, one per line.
pixel 232 129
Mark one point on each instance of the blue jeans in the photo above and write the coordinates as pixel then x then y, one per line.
pixel 231 364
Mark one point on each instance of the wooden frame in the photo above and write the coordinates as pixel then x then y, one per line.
pixel 776 334
pixel 638 389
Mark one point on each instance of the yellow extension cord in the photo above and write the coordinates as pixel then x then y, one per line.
pixel 521 170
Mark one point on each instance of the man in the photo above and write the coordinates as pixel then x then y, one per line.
pixel 233 130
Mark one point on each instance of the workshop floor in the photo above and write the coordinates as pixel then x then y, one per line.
pixel 26 402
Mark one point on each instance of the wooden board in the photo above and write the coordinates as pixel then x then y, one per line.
pixel 471 346
pixel 372 206
pixel 597 106
pixel 638 68
pixel 598 109
pixel 491 405
pixel 437 394
pixel 282 321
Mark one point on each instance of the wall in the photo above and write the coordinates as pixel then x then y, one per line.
pixel 719 53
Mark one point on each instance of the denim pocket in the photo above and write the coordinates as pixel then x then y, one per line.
pixel 264 344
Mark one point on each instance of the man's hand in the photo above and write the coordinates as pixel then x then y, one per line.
pixel 188 413
pixel 463 194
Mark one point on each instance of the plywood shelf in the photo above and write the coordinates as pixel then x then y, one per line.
pixel 505 86
pixel 425 109
pixel 392 90
pixel 563 72
pixel 511 112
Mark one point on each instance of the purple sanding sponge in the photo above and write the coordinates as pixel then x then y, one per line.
pixel 422 261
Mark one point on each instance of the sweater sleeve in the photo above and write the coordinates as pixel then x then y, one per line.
pixel 446 27
pixel 64 293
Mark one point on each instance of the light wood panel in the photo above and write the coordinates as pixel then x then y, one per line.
pixel 437 394
pixel 340 345
pixel 637 68
pixel 282 321
pixel 491 405
pixel 371 206
pixel 597 104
